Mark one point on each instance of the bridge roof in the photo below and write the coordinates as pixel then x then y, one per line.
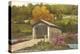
pixel 47 23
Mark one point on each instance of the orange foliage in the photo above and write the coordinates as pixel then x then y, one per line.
pixel 41 12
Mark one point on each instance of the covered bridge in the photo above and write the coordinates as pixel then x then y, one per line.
pixel 46 29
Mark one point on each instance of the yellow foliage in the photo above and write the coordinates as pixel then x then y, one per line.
pixel 41 13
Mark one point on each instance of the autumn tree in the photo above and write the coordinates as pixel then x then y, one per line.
pixel 41 12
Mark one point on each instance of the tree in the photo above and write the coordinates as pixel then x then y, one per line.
pixel 41 12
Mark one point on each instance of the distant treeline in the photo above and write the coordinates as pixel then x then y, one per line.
pixel 25 12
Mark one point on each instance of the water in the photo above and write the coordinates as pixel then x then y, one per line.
pixel 14 40
pixel 74 46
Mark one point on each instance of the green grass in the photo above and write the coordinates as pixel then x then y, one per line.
pixel 21 30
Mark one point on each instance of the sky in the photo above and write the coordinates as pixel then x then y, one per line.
pixel 20 3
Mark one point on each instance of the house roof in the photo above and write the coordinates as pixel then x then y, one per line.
pixel 46 22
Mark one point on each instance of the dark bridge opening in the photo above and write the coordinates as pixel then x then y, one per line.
pixel 41 30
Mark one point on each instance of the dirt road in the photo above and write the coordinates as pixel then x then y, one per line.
pixel 22 45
